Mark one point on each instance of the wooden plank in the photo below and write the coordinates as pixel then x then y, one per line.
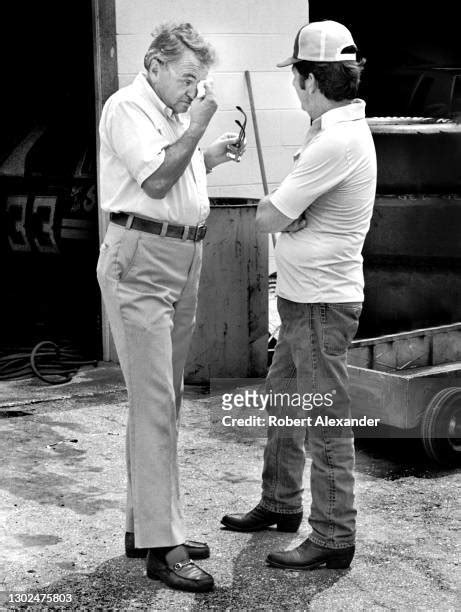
pixel 384 356
pixel 412 352
pixel 397 400
pixel 360 356
pixel 379 395
pixel 447 347
pixel 105 83
pixel 429 331
pixel 453 369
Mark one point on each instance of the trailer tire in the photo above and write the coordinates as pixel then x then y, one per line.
pixel 441 427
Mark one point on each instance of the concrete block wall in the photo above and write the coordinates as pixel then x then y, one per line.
pixel 247 35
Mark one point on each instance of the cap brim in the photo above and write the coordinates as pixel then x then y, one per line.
pixel 287 62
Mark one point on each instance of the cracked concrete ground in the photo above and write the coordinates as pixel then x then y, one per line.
pixel 62 494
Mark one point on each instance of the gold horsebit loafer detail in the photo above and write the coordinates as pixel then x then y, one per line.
pixel 178 571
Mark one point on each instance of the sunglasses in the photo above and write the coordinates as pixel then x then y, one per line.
pixel 242 126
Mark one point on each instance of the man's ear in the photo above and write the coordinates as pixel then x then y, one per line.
pixel 154 67
pixel 310 84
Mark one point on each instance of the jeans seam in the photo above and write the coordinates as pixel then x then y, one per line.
pixel 275 478
pixel 331 487
pixel 313 347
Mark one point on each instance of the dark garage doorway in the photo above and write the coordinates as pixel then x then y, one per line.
pixel 48 195
pixel 401 42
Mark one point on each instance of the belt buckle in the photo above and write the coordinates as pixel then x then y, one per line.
pixel 199 232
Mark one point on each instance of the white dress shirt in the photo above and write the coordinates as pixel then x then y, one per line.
pixel 135 128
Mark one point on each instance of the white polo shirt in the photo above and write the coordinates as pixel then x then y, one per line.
pixel 334 182
pixel 135 128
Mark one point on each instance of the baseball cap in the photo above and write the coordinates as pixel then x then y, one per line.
pixel 321 41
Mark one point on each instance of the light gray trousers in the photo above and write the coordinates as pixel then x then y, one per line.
pixel 149 286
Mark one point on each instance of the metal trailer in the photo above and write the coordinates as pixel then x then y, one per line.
pixel 412 381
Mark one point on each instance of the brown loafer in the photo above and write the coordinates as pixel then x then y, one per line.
pixel 309 556
pixel 195 550
pixel 177 571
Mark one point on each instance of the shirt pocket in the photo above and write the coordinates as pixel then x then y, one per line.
pixel 340 323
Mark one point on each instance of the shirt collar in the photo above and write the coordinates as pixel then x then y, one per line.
pixel 349 112
pixel 143 86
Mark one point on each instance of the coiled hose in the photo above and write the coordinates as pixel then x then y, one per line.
pixel 52 364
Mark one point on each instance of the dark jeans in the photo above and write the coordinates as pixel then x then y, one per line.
pixel 310 361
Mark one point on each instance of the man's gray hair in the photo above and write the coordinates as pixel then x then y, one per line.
pixel 172 39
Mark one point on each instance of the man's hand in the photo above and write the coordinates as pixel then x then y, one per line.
pixel 202 109
pixel 179 153
pixel 223 149
pixel 298 224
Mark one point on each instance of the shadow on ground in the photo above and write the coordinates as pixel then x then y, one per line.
pixel 257 586
pixel 121 583
pixel 392 457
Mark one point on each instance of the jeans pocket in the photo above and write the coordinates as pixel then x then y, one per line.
pixel 340 325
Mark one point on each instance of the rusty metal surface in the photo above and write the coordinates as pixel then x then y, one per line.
pixel 230 338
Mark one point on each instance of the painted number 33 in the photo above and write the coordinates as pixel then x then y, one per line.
pixel 42 234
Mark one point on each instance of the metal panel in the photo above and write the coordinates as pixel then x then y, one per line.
pixel 230 339
pixel 415 226
pixel 418 163
pixel 412 264
pixel 404 296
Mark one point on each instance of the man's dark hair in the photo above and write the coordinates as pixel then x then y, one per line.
pixel 336 80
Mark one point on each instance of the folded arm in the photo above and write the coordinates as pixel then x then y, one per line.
pixel 269 219
pixel 320 167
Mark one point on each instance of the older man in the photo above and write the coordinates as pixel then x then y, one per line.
pixel 153 184
pixel 323 209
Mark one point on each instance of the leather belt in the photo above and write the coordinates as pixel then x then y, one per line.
pixel 183 232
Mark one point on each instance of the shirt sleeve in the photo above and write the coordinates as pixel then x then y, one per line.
pixel 136 140
pixel 320 167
